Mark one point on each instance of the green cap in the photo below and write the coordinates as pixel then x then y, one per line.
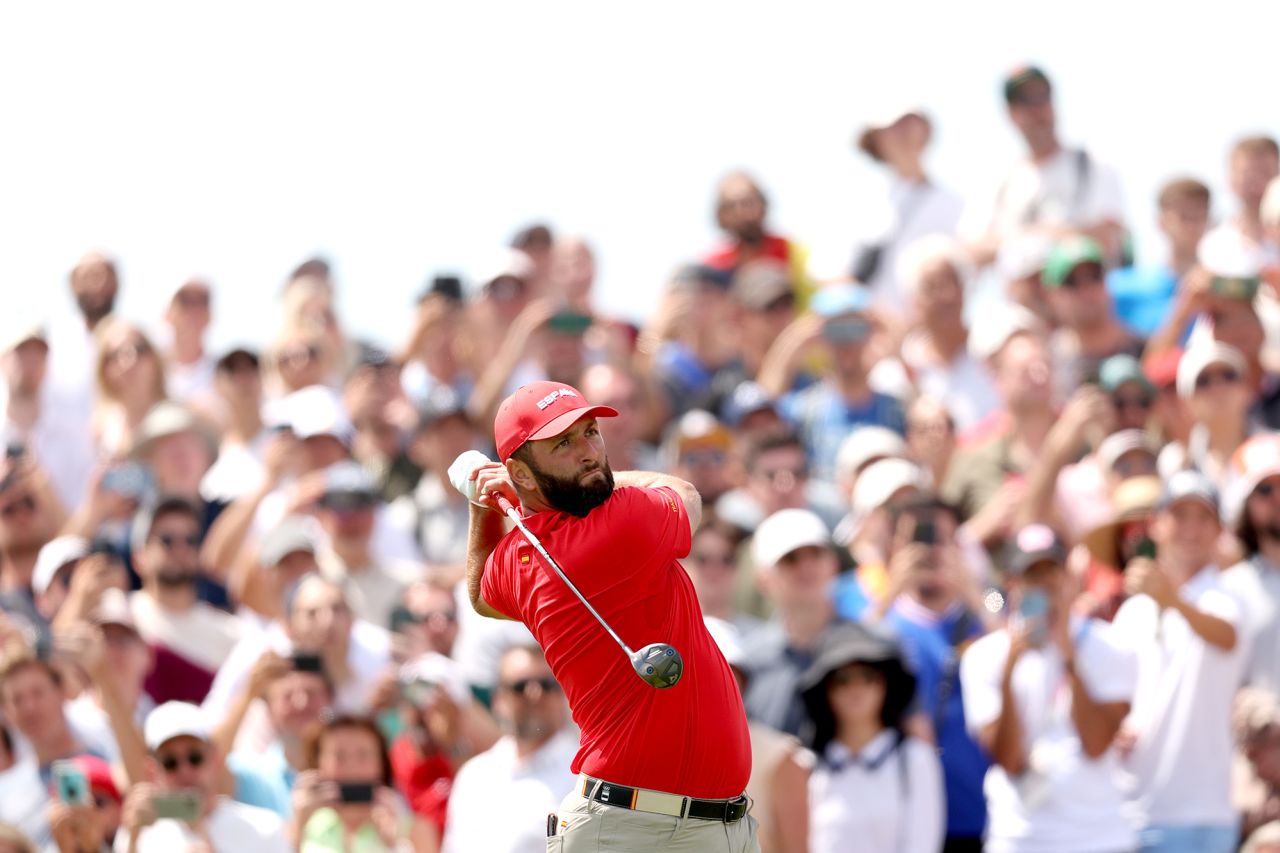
pixel 1119 369
pixel 1019 77
pixel 1067 255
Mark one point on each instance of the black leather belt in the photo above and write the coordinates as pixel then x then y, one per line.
pixel 727 811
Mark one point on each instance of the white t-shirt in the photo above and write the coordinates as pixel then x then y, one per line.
pixel 1256 585
pixel 233 827
pixel 236 472
pixel 891 800
pixel 964 385
pixel 24 803
pixel 527 789
pixel 60 442
pixel 1049 194
pixel 909 211
pixel 374 591
pixel 1180 769
pixel 190 383
pixel 202 634
pixel 1065 802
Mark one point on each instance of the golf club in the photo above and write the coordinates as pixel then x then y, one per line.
pixel 658 664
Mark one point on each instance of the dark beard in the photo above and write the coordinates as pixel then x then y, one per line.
pixel 173 576
pixel 568 495
pixel 93 308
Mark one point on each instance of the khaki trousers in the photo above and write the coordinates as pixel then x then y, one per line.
pixel 585 826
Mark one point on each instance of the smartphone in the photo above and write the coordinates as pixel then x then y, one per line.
pixel 925 533
pixel 131 480
pixel 1146 547
pixel 1234 287
pixel 448 286
pixel 401 617
pixel 356 792
pixel 306 662
pixel 569 322
pixel 72 784
pixel 179 805
pixel 419 693
pixel 1033 611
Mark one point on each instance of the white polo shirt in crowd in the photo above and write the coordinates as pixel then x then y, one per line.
pixel 1256 585
pixel 500 802
pixel 886 799
pixel 1065 802
pixel 232 826
pixel 1180 771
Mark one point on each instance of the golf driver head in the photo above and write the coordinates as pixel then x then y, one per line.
pixel 658 665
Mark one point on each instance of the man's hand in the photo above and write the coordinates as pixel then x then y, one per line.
pixel 479 479
pixel 74 828
pixel 139 812
pixel 310 793
pixel 269 668
pixel 1143 577
pixel 83 644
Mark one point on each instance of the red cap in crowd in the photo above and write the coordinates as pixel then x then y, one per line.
pixel 540 410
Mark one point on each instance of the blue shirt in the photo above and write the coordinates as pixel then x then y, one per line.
pixel 263 780
pixel 927 644
pixel 824 419
pixel 1142 296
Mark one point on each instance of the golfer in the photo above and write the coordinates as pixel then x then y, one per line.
pixel 659 769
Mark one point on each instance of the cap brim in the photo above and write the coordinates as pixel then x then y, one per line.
pixel 561 423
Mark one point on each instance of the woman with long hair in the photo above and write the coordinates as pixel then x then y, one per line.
pixel 873 783
pixel 130 379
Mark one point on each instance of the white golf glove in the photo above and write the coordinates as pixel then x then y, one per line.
pixel 460 473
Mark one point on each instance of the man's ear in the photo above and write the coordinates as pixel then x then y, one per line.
pixel 521 475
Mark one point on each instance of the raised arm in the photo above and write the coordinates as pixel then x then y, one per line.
pixel 652 480
pixel 485 528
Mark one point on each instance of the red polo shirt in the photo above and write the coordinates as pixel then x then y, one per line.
pixel 690 739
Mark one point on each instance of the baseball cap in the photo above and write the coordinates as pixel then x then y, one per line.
pixel 1119 443
pixel 836 300
pixel 1119 369
pixel 1023 255
pixel 994 327
pixel 758 284
pixel 864 445
pixel 540 410
pixel 747 399
pixel 1162 368
pixel 113 609
pixel 294 533
pixel 1254 461
pixel 1133 499
pixel 1201 356
pixel 17 329
pixel 1227 253
pixel 1033 544
pixel 1067 255
pixel 886 116
pixel 881 480
pixel 313 411
pixel 1185 485
pixel 506 264
pixel 55 554
pixel 1021 76
pixel 688 275
pixel 440 402
pixel 347 484
pixel 237 353
pixel 98 774
pixel 171 720
pixel 165 419
pixel 697 429
pixel 785 531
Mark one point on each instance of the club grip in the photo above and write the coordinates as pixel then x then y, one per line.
pixel 504 504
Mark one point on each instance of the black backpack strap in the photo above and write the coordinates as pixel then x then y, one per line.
pixel 1084 175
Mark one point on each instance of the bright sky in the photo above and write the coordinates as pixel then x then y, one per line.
pixel 399 139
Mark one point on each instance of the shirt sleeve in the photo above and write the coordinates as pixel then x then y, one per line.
pixel 656 517
pixel 1109 668
pixel 495 582
pixel 980 684
pixel 924 827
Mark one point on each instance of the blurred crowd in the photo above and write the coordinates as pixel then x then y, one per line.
pixel 997 574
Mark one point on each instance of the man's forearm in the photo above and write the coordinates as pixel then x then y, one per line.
pixel 483 534
pixel 1096 723
pixel 1213 630
pixel 654 480
pixel 1007 745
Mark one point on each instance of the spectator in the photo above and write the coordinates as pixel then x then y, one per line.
pixel 796 563
pixel 1265 840
pixel 931 437
pixel 935 607
pixel 130 381
pixel 189 368
pixel 1251 507
pixel 177 450
pixel 916 206
pixel 1253 164
pixel 1144 295
pixel 184 763
pixel 95 284
pixel 714 568
pixel 1089 333
pixel 857 693
pixel 1256 721
pixel 237 382
pixel 842 399
pixel 346 513
pixel 861 449
pixel 1020 265
pixel 699 448
pixel 763 295
pixel 504 293
pixel 1045 697
pixel 432 357
pixel 1132 394
pixel 571 273
pixel 536 241
pixel 933 355
pixel 350 751
pixel 125 655
pixel 528 767
pixel 91 826
pixel 777 478
pixel 1211 382
pixel 190 639
pixel 375 402
pixel 29 518
pixel 870 526
pixel 741 211
pixel 1055 189
pixel 33 421
pixel 621 390
pixel 780 765
pixel 1188 632
pixel 1112 545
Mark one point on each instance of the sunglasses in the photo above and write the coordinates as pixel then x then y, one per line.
pixel 1208 378
pixel 522 686
pixel 427 617
pixel 1086 274
pixel 171 763
pixel 785 302
pixel 849 331
pixel 855 675
pixel 170 541
pixel 129 352
pixel 798 473
pixel 240 365
pixel 1123 401
pixel 299 355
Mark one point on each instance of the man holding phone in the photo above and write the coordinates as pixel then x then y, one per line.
pixel 181 806
pixel 1045 697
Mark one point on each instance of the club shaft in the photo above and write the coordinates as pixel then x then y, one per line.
pixel 514 514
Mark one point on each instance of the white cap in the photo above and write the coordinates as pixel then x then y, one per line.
pixel 994 326
pixel 925 251
pixel 1228 253
pixel 1200 356
pixel 294 533
pixel 1254 461
pixel 1119 443
pixel 437 669
pixel 863 445
pixel 55 554
pixel 312 411
pixel 727 637
pixel 1022 256
pixel 882 480
pixel 506 263
pixel 18 326
pixel 785 531
pixel 174 719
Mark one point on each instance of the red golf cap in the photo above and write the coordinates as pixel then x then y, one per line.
pixel 540 410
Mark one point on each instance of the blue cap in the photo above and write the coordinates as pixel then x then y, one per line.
pixel 839 299
pixel 747 399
